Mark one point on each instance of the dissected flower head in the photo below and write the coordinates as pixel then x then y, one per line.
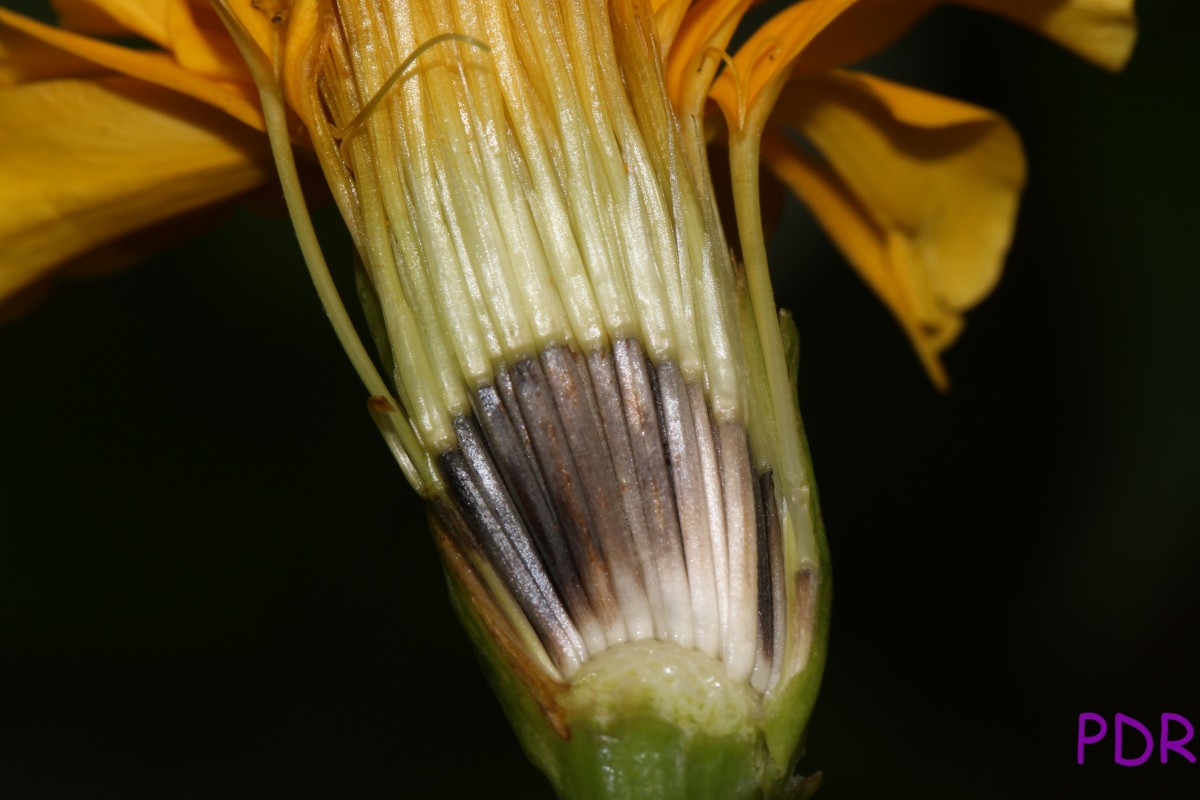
pixel 591 394
pixel 592 390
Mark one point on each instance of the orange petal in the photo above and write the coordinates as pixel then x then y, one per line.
pixel 189 29
pixel 924 197
pixel 111 259
pixel 24 58
pixel 254 19
pixel 201 43
pixel 816 35
pixel 1101 31
pixel 861 30
pixel 144 18
pixel 239 100
pixel 747 90
pixel 87 163
pixel 860 241
pixel 285 34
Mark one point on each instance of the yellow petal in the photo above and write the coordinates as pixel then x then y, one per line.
pixel 816 35
pixel 924 198
pixel 86 163
pixel 201 43
pixel 111 259
pixel 254 19
pixel 285 34
pixel 189 29
pixel 24 58
pixel 237 99
pixel 1101 31
pixel 144 18
pixel 849 225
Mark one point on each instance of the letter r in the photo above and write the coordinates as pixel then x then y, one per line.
pixel 1083 739
pixel 1166 743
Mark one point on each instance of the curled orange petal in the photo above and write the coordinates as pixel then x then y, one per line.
pixel 919 191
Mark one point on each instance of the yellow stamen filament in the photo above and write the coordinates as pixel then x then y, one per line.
pixel 739 84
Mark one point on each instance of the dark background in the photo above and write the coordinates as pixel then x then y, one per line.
pixel 214 581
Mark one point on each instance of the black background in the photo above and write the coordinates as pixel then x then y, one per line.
pixel 214 581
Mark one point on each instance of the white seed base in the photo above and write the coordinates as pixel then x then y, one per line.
pixel 671 682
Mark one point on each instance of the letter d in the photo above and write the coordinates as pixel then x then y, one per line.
pixel 1083 739
pixel 1121 720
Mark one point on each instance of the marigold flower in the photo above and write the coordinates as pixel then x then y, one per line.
pixel 594 396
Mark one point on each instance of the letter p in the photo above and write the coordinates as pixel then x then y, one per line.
pixel 1084 739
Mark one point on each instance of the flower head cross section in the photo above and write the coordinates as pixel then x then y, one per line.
pixel 582 374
